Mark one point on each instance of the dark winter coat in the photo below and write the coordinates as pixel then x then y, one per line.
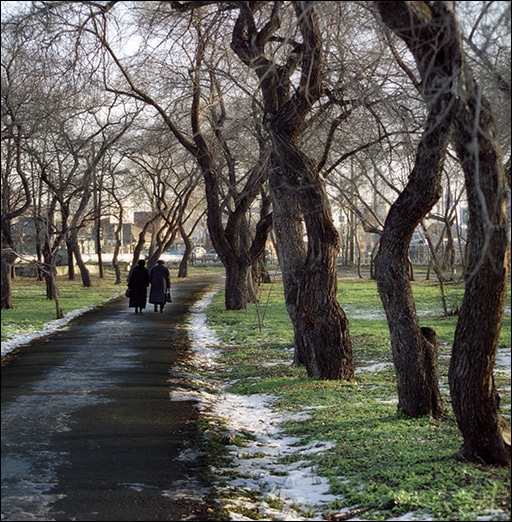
pixel 138 283
pixel 160 280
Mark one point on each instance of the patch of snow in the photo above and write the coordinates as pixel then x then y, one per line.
pixel 503 360
pixel 376 367
pixel 189 489
pixel 256 465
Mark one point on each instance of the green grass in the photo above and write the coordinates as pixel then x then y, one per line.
pixel 382 462
pixel 32 311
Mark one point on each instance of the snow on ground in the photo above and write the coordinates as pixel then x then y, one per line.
pixel 358 313
pixel 256 466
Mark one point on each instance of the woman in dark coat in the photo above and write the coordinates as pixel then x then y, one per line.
pixel 160 280
pixel 138 283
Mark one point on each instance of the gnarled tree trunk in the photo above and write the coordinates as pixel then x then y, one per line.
pixel 414 355
pixel 475 400
pixel 322 340
pixel 289 232
pixel 321 329
pixel 414 349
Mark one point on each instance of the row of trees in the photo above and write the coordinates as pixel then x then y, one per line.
pixel 73 155
pixel 277 106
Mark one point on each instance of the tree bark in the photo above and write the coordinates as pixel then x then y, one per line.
pixel 71 261
pixel 321 329
pixel 183 268
pixel 289 233
pixel 8 259
pixel 475 400
pixel 236 284
pixel 9 256
pixel 322 341
pixel 414 356
pixel 414 350
pixel 84 272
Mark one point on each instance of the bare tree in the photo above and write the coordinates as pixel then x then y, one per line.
pixel 16 193
pixel 433 40
pixel 322 340
pixel 234 253
pixel 475 400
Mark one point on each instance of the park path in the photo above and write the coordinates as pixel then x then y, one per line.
pixel 88 429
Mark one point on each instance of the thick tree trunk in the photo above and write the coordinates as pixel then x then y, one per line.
pixel 414 356
pixel 71 262
pixel 39 257
pixel 55 292
pixel 321 326
pixel 289 233
pixel 475 400
pixel 414 349
pixel 297 193
pixel 322 322
pixel 8 258
pixel 183 268
pixel 236 296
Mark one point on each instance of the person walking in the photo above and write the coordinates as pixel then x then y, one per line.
pixel 138 282
pixel 160 280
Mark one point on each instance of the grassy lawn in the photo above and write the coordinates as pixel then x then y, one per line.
pixel 32 311
pixel 382 463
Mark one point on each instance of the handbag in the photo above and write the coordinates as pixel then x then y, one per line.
pixel 128 292
pixel 168 297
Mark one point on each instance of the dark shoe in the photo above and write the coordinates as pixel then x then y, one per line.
pixel 156 308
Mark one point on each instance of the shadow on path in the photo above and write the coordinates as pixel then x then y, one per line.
pixel 88 429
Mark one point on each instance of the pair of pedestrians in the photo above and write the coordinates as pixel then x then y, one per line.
pixel 140 279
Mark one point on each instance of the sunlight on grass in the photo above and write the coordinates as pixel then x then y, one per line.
pixel 382 461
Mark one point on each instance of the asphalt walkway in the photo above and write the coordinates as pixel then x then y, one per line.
pixel 88 429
